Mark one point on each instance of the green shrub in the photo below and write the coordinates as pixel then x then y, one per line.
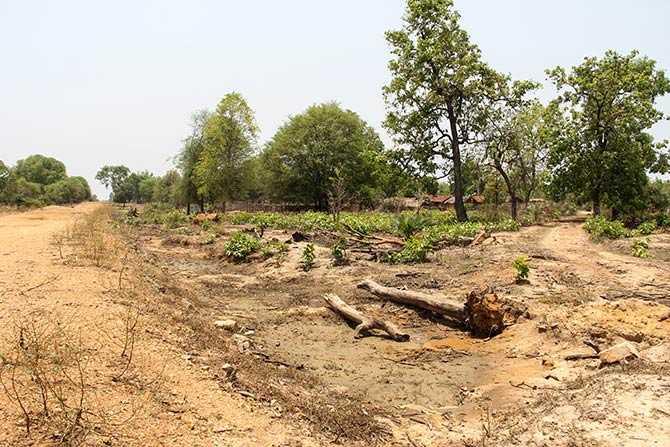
pixel 522 267
pixel 640 248
pixel 175 218
pixel 407 225
pixel 307 259
pixel 240 246
pixel 273 248
pixel 416 250
pixel 601 228
pixel 339 252
pixel 662 220
pixel 646 228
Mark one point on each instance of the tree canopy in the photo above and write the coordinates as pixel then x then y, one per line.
pixel 601 149
pixel 313 148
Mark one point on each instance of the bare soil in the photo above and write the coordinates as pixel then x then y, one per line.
pixel 304 380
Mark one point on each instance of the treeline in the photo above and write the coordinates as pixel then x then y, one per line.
pixel 38 180
pixel 459 127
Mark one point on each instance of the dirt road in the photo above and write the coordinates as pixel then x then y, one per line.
pixel 187 409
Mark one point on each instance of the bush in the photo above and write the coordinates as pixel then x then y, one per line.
pixel 522 267
pixel 640 248
pixel 407 225
pixel 662 220
pixel 240 246
pixel 273 248
pixel 645 228
pixel 601 228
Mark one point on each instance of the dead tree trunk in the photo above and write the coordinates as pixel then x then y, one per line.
pixel 482 313
pixel 363 323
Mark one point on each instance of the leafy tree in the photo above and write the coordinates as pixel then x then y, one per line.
pixel 40 169
pixel 166 188
pixel 114 177
pixel 317 146
pixel 188 159
pixel 229 139
pixel 440 93
pixel 601 149
pixel 146 188
pixel 4 177
pixel 69 190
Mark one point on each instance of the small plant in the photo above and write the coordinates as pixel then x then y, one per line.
pixel 407 225
pixel 339 252
pixel 206 225
pixel 522 267
pixel 646 228
pixel 209 239
pixel 240 246
pixel 307 259
pixel 273 248
pixel 640 248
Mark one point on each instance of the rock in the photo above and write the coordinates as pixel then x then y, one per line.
pixel 299 237
pixel 229 325
pixel 657 354
pixel 243 343
pixel 229 370
pixel 618 353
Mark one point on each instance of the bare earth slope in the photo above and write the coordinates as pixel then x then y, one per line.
pixel 167 400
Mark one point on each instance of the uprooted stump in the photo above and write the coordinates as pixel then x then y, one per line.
pixel 483 313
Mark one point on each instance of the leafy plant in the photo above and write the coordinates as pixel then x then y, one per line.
pixel 601 228
pixel 522 267
pixel 408 225
pixel 640 248
pixel 645 228
pixel 307 259
pixel 240 246
pixel 339 252
pixel 273 248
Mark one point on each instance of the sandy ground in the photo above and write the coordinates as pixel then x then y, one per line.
pixel 442 388
pixel 188 409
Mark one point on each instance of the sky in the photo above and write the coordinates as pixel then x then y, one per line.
pixel 95 82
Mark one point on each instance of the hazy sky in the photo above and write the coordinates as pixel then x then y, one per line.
pixel 115 82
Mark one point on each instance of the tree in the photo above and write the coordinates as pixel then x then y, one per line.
pixel 4 177
pixel 114 177
pixel 188 158
pixel 229 141
pixel 440 93
pixel 316 147
pixel 601 149
pixel 69 190
pixel 166 188
pixel 40 169
pixel 515 146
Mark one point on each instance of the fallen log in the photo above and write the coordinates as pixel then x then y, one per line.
pixel 482 313
pixel 363 323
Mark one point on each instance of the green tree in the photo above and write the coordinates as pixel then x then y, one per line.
pixel 69 190
pixel 147 186
pixel 166 188
pixel 440 92
pixel 188 158
pixel 40 169
pixel 314 148
pixel 601 147
pixel 229 141
pixel 4 177
pixel 115 177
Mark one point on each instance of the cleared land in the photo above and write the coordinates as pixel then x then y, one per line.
pixel 286 370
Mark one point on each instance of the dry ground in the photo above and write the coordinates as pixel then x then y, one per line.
pixel 304 380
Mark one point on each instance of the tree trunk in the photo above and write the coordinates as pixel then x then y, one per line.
pixel 482 313
pixel 515 206
pixel 188 208
pixel 451 309
pixel 363 323
pixel 595 197
pixel 459 204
